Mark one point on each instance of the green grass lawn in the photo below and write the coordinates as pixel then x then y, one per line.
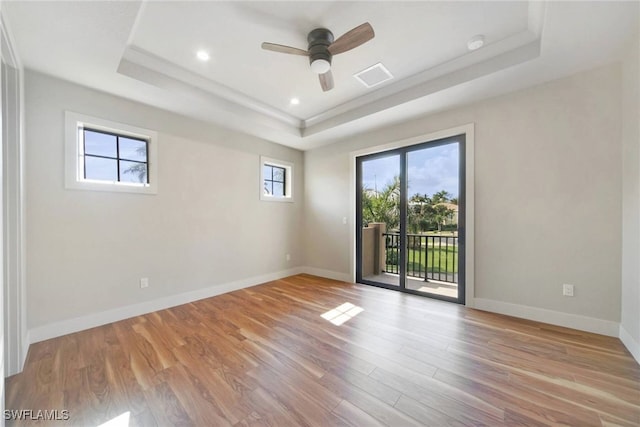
pixel 442 260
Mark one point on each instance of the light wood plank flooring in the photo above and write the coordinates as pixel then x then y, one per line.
pixel 265 356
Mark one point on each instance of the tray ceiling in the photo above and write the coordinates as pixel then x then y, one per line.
pixel 147 51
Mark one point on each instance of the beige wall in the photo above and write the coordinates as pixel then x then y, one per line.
pixel 547 191
pixel 630 318
pixel 206 226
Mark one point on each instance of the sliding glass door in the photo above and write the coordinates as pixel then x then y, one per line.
pixel 380 212
pixel 410 219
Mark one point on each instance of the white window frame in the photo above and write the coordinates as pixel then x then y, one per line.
pixel 74 155
pixel 288 179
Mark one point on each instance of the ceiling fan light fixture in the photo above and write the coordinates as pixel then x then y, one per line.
pixel 320 66
pixel 475 42
pixel 322 47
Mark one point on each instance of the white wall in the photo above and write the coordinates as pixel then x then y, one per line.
pixel 547 196
pixel 630 317
pixel 206 227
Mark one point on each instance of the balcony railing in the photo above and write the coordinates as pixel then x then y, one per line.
pixel 429 257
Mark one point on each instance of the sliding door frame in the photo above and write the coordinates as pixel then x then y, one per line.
pixel 402 152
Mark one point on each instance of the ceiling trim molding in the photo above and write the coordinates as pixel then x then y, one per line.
pixel 215 109
pixel 505 60
pixel 146 60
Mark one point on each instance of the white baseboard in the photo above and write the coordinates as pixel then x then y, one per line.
pixel 632 345
pixel 574 321
pixel 26 341
pixel 77 324
pixel 56 329
pixel 329 274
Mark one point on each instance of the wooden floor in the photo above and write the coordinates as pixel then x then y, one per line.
pixel 265 356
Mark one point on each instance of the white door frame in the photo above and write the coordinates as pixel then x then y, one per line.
pixel 13 226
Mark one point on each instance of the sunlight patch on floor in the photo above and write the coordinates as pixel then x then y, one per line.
pixel 121 420
pixel 342 313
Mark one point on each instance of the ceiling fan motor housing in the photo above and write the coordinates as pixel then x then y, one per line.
pixel 319 41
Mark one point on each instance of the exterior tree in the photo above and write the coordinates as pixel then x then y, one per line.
pixel 420 210
pixel 383 206
pixel 424 213
pixel 441 197
pixel 440 213
pixel 427 213
pixel 139 169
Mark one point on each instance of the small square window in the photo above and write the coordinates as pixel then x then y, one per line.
pixel 105 151
pixel 276 180
pixel 108 156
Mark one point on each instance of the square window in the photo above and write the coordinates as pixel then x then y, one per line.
pixel 108 156
pixel 114 158
pixel 276 180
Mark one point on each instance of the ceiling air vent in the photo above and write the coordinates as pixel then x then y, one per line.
pixel 373 75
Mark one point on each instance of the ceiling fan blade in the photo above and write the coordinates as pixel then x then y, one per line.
pixel 284 49
pixel 326 81
pixel 352 39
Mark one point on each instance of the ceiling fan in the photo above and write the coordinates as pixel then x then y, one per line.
pixel 322 47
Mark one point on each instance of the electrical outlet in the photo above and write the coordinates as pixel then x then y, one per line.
pixel 288 256
pixel 567 290
pixel 344 219
pixel 144 282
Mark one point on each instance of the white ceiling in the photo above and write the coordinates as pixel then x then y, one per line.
pixel 146 51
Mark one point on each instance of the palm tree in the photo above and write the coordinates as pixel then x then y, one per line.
pixel 139 169
pixel 418 213
pixel 441 214
pixel 423 212
pixel 383 206
pixel 441 197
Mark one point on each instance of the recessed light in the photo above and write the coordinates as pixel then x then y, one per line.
pixel 203 55
pixel 475 42
pixel 295 101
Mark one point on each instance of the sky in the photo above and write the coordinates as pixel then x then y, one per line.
pixel 429 170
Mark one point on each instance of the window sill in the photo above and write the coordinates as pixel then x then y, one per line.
pixel 111 186
pixel 266 198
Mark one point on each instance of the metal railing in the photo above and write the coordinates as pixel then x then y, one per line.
pixel 429 256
